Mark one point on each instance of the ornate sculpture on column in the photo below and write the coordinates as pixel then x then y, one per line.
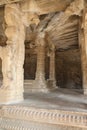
pixel 13 56
pixel 40 81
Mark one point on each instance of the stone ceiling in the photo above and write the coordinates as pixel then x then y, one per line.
pixel 61 29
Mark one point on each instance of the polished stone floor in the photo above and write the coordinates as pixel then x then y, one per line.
pixel 61 99
pixel 38 110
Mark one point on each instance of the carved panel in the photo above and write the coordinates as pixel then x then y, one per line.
pixel 55 117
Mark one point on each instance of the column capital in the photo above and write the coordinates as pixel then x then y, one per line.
pixel 40 39
pixel 53 47
pixel 52 50
pixel 41 35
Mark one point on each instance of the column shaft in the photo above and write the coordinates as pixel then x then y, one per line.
pixel 13 56
pixel 52 79
pixel 40 72
pixel 52 66
pixel 40 82
pixel 83 45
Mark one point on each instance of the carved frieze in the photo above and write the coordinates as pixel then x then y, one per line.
pixel 51 117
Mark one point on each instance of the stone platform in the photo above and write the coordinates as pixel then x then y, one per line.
pixel 60 110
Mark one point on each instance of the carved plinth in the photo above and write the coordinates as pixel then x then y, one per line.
pixel 85 91
pixel 34 86
pixel 9 96
pixel 20 117
pixel 51 84
pixel 40 86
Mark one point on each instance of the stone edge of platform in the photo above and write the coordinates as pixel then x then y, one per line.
pixel 55 117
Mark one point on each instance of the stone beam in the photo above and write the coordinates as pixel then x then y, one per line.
pixel 2 2
pixel 44 6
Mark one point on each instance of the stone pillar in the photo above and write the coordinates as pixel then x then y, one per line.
pixel 82 43
pixel 40 82
pixel 52 79
pixel 52 65
pixel 13 56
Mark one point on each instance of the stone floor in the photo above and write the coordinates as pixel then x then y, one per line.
pixel 62 99
pixel 62 109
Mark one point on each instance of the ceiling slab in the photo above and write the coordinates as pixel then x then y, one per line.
pixel 45 6
pixel 2 2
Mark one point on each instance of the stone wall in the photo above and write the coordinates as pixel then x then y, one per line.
pixel 68 69
pixel 30 66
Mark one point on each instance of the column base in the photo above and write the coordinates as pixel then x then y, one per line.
pixel 40 86
pixel 34 86
pixel 85 91
pixel 37 90
pixel 51 84
pixel 9 97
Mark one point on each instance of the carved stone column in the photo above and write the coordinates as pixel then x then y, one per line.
pixel 52 65
pixel 82 43
pixel 84 50
pixel 52 79
pixel 13 56
pixel 40 82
